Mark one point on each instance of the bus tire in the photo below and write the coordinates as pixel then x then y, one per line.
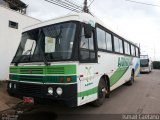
pixel 101 93
pixel 10 94
pixel 131 81
pixel 107 89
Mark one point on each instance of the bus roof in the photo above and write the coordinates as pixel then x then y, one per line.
pixel 81 17
pixel 144 57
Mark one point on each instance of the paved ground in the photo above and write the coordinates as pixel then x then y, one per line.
pixel 6 101
pixel 141 98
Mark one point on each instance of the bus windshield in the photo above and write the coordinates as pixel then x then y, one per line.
pixel 54 42
pixel 144 62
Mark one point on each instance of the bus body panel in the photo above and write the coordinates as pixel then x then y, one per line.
pixel 34 81
pixel 117 67
pixel 145 69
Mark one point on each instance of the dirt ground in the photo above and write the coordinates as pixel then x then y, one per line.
pixel 6 101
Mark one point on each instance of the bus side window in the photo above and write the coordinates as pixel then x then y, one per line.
pixel 109 41
pixel 101 39
pixel 132 50
pixel 87 49
pixel 116 44
pixel 120 46
pixel 126 48
pixel 137 52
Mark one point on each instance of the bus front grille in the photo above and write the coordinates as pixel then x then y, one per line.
pixel 55 70
pixel 31 78
pixel 31 70
pixel 30 89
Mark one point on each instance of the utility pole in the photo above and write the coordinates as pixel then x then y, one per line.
pixel 85 8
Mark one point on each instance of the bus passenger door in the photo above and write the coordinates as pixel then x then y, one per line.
pixel 87 57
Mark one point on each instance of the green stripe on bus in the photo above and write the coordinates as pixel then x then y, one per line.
pixel 117 75
pixel 43 79
pixel 88 92
pixel 54 69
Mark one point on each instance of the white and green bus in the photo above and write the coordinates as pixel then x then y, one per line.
pixel 74 59
pixel 145 64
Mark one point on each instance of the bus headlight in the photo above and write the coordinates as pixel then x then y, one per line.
pixel 59 91
pixel 14 86
pixel 50 90
pixel 10 85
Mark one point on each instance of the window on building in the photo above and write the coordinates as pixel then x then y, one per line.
pixel 127 48
pixel 13 24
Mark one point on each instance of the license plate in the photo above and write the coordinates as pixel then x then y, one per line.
pixel 28 100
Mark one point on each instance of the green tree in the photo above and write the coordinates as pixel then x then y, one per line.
pixel 156 64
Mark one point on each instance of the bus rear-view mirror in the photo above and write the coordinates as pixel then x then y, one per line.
pixel 88 31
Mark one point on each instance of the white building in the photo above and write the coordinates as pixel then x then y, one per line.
pixel 11 25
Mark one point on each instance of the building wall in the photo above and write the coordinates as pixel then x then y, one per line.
pixel 10 37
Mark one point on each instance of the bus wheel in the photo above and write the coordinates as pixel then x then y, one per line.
pixel 131 81
pixel 101 93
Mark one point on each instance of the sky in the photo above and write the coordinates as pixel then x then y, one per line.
pixel 138 23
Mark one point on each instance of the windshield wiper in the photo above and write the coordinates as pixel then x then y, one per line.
pixel 22 56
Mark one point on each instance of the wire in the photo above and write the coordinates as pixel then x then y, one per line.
pixel 143 3
pixel 90 3
pixel 68 4
pixel 73 3
pixel 64 5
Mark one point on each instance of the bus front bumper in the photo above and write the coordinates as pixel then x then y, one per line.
pixel 144 69
pixel 40 92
